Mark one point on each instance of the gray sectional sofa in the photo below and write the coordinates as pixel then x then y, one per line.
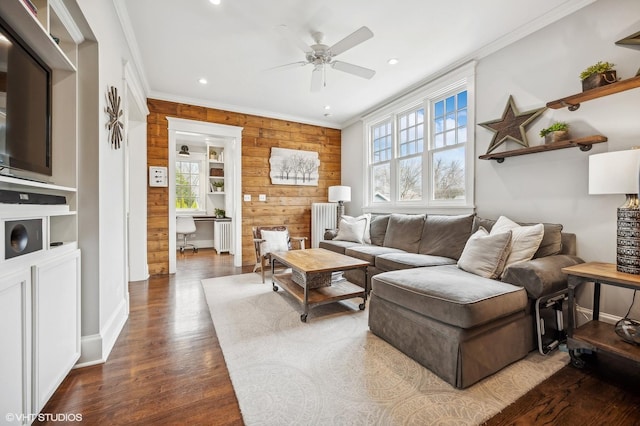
pixel 461 325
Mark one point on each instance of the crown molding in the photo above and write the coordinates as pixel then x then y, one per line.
pixel 129 35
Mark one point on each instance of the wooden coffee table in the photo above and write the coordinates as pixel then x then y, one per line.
pixel 310 279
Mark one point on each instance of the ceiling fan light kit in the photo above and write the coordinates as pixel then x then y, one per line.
pixel 320 55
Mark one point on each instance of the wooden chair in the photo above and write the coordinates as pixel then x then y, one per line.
pixel 263 246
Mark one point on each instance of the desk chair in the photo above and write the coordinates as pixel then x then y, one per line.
pixel 185 225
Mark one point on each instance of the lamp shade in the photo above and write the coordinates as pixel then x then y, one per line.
pixel 339 193
pixel 614 172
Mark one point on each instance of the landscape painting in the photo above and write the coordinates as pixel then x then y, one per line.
pixel 294 167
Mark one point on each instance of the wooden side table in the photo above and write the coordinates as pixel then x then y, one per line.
pixel 595 335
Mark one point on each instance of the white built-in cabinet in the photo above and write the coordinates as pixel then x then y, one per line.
pixel 40 291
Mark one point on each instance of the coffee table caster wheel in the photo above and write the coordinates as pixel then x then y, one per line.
pixel 275 288
pixel 303 317
pixel 576 361
pixel 361 306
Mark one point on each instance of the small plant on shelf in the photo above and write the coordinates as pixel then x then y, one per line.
pixel 218 185
pixel 557 132
pixel 220 213
pixel 598 74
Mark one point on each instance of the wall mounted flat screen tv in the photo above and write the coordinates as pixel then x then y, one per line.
pixel 25 108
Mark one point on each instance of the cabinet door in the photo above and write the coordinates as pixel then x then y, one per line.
pixel 15 335
pixel 56 323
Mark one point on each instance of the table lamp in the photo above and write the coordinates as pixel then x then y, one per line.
pixel 618 173
pixel 339 194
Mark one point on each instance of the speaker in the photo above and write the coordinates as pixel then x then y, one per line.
pixel 20 197
pixel 22 237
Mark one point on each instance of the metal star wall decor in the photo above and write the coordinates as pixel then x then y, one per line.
pixel 512 126
pixel 114 109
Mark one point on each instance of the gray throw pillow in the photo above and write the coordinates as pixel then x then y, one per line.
pixel 484 254
pixel 404 232
pixel 378 229
pixel 445 235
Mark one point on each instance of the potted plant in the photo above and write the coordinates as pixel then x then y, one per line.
pixel 557 132
pixel 218 185
pixel 599 74
pixel 220 214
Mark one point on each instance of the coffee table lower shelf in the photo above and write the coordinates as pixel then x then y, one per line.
pixel 341 290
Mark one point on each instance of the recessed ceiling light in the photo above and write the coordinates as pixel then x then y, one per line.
pixel 393 61
pixel 216 2
pixel 202 81
pixel 327 107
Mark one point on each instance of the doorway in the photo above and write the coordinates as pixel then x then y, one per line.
pixel 203 135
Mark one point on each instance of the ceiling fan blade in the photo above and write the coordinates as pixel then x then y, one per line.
pixel 286 33
pixel 288 66
pixel 317 78
pixel 353 69
pixel 353 39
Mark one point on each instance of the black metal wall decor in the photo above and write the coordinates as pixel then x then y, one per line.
pixel 114 109
pixel 632 41
pixel 511 126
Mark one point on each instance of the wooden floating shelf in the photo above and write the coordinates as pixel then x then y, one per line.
pixel 573 102
pixel 583 143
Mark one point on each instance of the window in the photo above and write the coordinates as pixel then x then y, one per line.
pixel 190 185
pixel 420 151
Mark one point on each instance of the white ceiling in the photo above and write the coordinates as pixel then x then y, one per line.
pixel 232 45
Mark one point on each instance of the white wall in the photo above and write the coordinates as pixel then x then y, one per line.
pixel 552 186
pixel 102 211
pixel 353 166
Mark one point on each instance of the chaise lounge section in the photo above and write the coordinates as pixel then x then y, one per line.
pixel 461 325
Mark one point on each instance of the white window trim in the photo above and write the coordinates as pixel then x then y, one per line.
pixel 204 184
pixel 462 77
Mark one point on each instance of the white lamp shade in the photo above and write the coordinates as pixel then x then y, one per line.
pixel 339 193
pixel 614 172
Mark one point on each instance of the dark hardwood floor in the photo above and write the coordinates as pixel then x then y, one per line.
pixel 167 368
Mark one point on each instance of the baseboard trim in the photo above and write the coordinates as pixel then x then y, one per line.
pixel 113 327
pixel 95 348
pixel 91 351
pixel 588 313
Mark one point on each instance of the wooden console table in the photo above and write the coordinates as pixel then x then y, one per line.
pixel 595 335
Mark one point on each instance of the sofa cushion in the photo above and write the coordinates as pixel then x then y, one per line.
pixel 352 229
pixel 450 295
pixel 542 276
pixel 393 261
pixel 378 228
pixel 484 254
pixel 404 232
pixel 369 253
pixel 445 235
pixel 337 246
pixel 525 240
pixel 551 241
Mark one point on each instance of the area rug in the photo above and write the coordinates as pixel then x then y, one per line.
pixel 333 371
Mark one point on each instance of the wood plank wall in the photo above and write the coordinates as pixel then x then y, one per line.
pixel 286 204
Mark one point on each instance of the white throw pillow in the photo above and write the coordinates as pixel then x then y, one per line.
pixel 525 240
pixel 485 255
pixel 367 232
pixel 274 241
pixel 351 229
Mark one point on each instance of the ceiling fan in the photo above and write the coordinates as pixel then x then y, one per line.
pixel 320 55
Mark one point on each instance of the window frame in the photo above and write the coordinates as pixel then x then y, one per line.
pixel 195 157
pixel 452 83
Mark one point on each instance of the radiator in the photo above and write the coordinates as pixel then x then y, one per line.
pixel 222 236
pixel 323 216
